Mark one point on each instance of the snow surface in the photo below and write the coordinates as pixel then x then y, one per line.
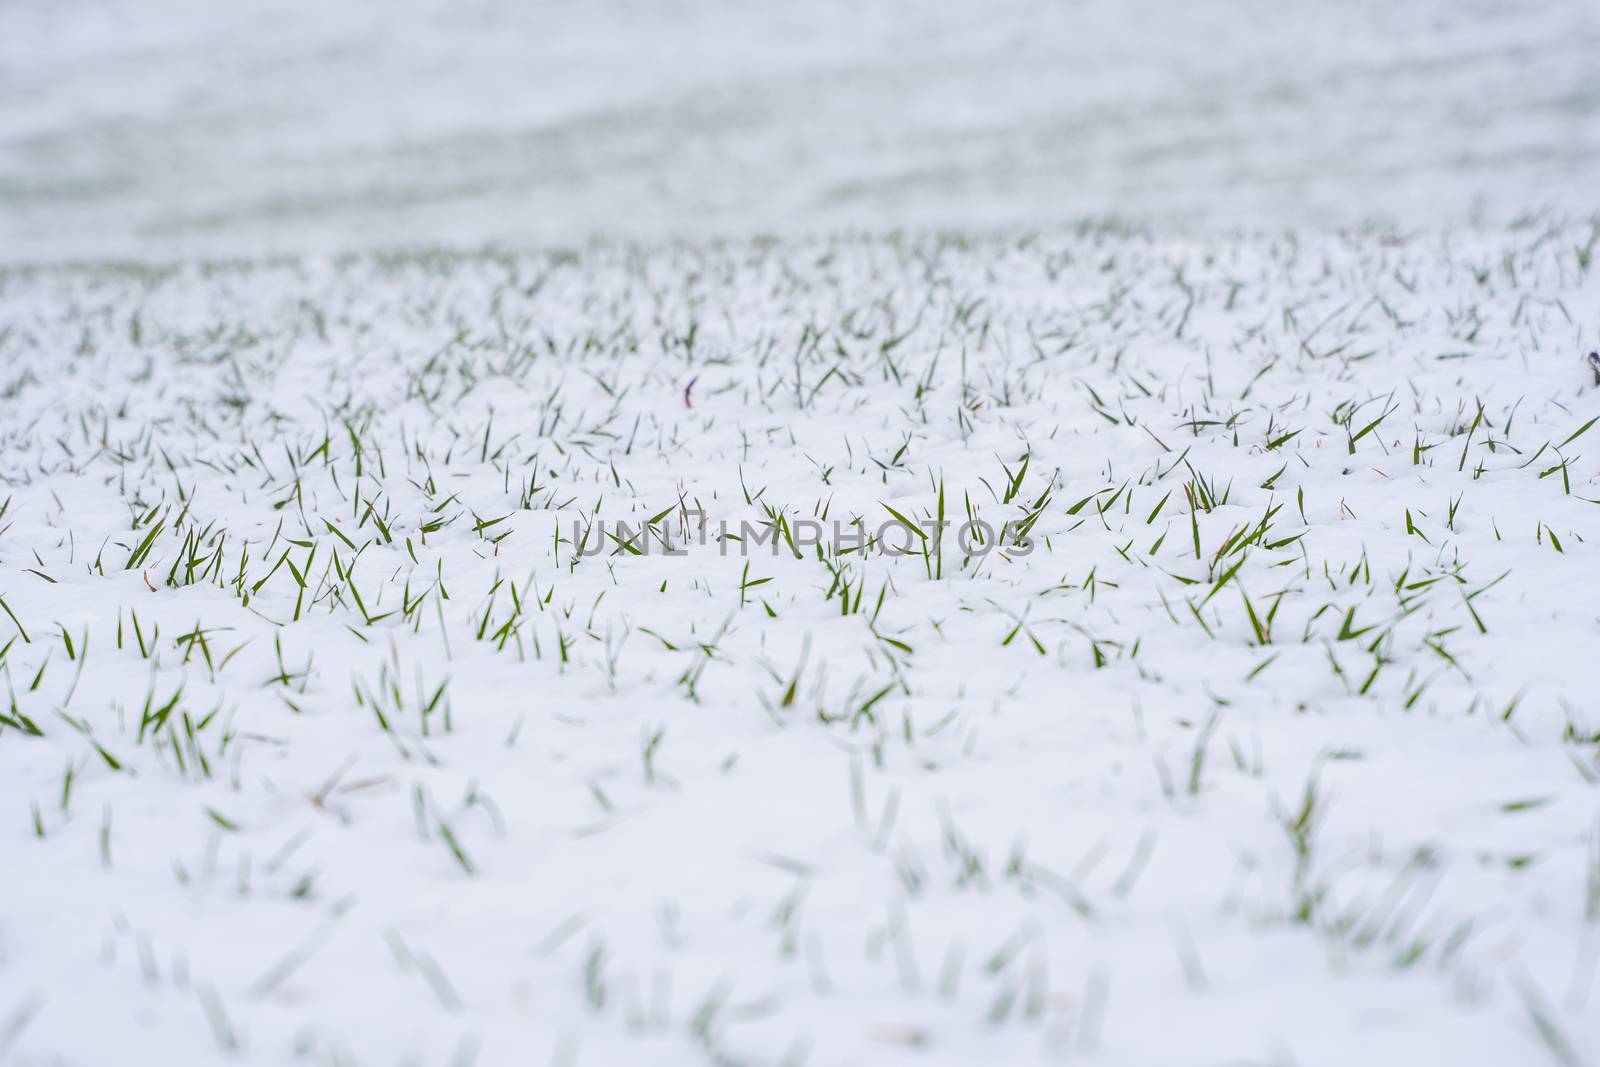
pixel 164 127
pixel 1274 740
pixel 1268 734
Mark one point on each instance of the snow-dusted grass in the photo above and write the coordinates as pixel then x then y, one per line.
pixel 1268 735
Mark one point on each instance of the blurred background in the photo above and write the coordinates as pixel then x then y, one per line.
pixel 162 128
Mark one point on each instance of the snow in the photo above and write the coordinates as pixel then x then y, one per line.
pixel 138 129
pixel 453 458
pixel 469 797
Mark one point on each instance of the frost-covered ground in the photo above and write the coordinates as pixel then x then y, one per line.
pixel 140 127
pixel 1266 733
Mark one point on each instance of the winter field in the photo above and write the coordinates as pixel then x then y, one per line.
pixel 845 610
pixel 140 128
pixel 1242 711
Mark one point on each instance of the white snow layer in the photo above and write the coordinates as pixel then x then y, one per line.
pixel 133 128
pixel 1268 735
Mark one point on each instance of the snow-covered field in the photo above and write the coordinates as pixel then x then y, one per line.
pixel 163 127
pixel 847 609
pixel 344 723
